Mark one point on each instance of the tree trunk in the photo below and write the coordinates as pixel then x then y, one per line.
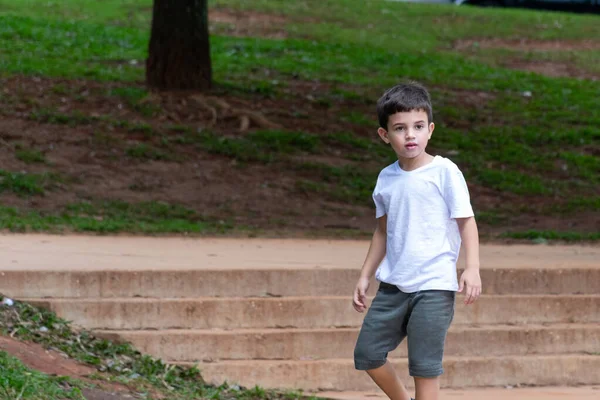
pixel 179 50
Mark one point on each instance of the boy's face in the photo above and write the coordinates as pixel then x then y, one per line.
pixel 407 133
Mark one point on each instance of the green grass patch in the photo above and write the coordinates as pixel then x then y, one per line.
pixel 554 235
pixel 131 94
pixel 118 361
pixel 581 204
pixel 261 146
pixel 583 166
pixel 54 117
pixel 20 382
pixel 517 138
pixel 78 118
pixel 115 12
pixel 30 156
pixel 111 217
pixel 134 97
pixel 24 184
pixel 490 217
pixel 70 49
pixel 512 181
pixel 140 127
pixel 147 152
pixel 357 118
pixel 284 142
pixel 347 184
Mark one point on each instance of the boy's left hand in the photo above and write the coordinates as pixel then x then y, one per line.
pixel 472 281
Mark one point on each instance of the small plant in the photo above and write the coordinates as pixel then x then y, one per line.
pixel 535 235
pixel 24 184
pixel 30 156
pixel 147 152
pixel 114 361
pixel 54 117
pixel 20 382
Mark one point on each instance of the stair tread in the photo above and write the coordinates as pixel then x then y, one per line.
pixel 491 393
pixel 455 327
pixel 350 361
pixel 274 299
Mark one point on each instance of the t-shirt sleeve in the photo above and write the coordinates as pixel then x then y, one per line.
pixel 456 193
pixel 378 199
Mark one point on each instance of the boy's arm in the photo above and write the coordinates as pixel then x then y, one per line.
pixel 374 256
pixel 470 277
pixel 376 250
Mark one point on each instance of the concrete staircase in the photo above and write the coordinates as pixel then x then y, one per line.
pixel 294 327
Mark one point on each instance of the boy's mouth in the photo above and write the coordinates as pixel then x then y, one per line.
pixel 410 146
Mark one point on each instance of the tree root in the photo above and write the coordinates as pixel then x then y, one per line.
pixel 220 109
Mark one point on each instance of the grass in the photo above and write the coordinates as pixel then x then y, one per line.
pixel 144 151
pixel 536 235
pixel 30 156
pixel 114 217
pixel 530 145
pixel 20 382
pixel 118 362
pixel 345 184
pixel 135 96
pixel 68 48
pixel 511 181
pixel 54 117
pixel 263 146
pixel 518 124
pixel 24 184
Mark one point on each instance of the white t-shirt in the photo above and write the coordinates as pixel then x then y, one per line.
pixel 423 240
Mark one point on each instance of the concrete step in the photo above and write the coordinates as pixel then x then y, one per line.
pixel 527 393
pixel 263 282
pixel 303 312
pixel 314 344
pixel 339 374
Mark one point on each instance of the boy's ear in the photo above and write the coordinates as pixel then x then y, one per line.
pixel 431 128
pixel 383 134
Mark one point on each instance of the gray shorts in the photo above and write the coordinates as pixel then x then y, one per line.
pixel 421 317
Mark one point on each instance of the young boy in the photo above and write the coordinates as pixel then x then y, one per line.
pixel 423 213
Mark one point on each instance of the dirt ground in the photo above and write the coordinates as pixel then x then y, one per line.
pixel 91 159
pixel 53 363
pixel 69 123
pixel 91 156
pixel 549 68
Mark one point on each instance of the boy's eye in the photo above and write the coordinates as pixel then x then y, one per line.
pixel 419 127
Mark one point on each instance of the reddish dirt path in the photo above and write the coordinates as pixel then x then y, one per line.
pixel 47 252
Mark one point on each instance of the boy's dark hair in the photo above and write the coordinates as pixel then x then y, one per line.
pixel 404 97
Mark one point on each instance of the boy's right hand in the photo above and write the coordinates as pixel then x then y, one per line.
pixel 360 295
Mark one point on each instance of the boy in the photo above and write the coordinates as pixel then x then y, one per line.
pixel 423 213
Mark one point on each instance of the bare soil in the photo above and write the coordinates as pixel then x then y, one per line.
pixel 247 23
pixel 89 152
pixel 553 69
pixel 527 44
pixel 549 68
pixel 91 156
pixel 52 363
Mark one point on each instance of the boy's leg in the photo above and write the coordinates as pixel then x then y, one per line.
pixel 427 388
pixel 387 379
pixel 431 313
pixel 383 328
